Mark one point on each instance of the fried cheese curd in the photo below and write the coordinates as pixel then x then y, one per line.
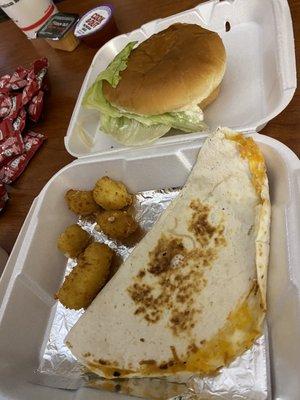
pixel 111 195
pixel 81 202
pixel 73 241
pixel 116 224
pixel 87 278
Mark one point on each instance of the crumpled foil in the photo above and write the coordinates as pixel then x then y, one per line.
pixel 246 378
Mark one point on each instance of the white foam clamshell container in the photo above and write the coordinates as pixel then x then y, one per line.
pixel 259 82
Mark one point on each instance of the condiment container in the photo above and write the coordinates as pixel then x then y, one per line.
pixel 97 26
pixel 58 31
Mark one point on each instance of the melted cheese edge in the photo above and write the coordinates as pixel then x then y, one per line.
pixel 242 328
pixel 251 152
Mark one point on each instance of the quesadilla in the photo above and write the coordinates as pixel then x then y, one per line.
pixel 191 297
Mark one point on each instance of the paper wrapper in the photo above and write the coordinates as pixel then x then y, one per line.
pixel 246 378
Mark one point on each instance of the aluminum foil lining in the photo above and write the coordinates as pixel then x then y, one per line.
pixel 246 378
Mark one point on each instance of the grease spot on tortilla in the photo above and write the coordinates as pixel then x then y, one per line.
pixel 147 362
pixel 102 362
pixel 166 250
pixel 174 352
pixel 142 273
pixel 200 226
pixel 192 348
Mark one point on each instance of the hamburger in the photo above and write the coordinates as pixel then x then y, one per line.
pixel 165 82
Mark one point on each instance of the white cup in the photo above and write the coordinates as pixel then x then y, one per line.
pixel 29 15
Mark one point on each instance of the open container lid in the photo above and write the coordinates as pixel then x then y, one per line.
pixel 259 82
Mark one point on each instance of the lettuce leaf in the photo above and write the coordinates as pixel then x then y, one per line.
pixel 129 128
pixel 94 98
pixel 112 73
pixel 131 132
pixel 187 121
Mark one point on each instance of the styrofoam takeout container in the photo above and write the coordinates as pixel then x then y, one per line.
pixel 35 269
pixel 259 82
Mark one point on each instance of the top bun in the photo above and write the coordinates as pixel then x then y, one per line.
pixel 179 66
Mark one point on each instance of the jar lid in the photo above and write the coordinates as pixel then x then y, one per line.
pixel 57 26
pixel 93 21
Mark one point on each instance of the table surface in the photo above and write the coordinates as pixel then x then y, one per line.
pixel 66 74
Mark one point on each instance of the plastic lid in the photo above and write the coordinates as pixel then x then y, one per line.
pixel 93 21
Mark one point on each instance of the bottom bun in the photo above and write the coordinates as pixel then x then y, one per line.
pixel 212 97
